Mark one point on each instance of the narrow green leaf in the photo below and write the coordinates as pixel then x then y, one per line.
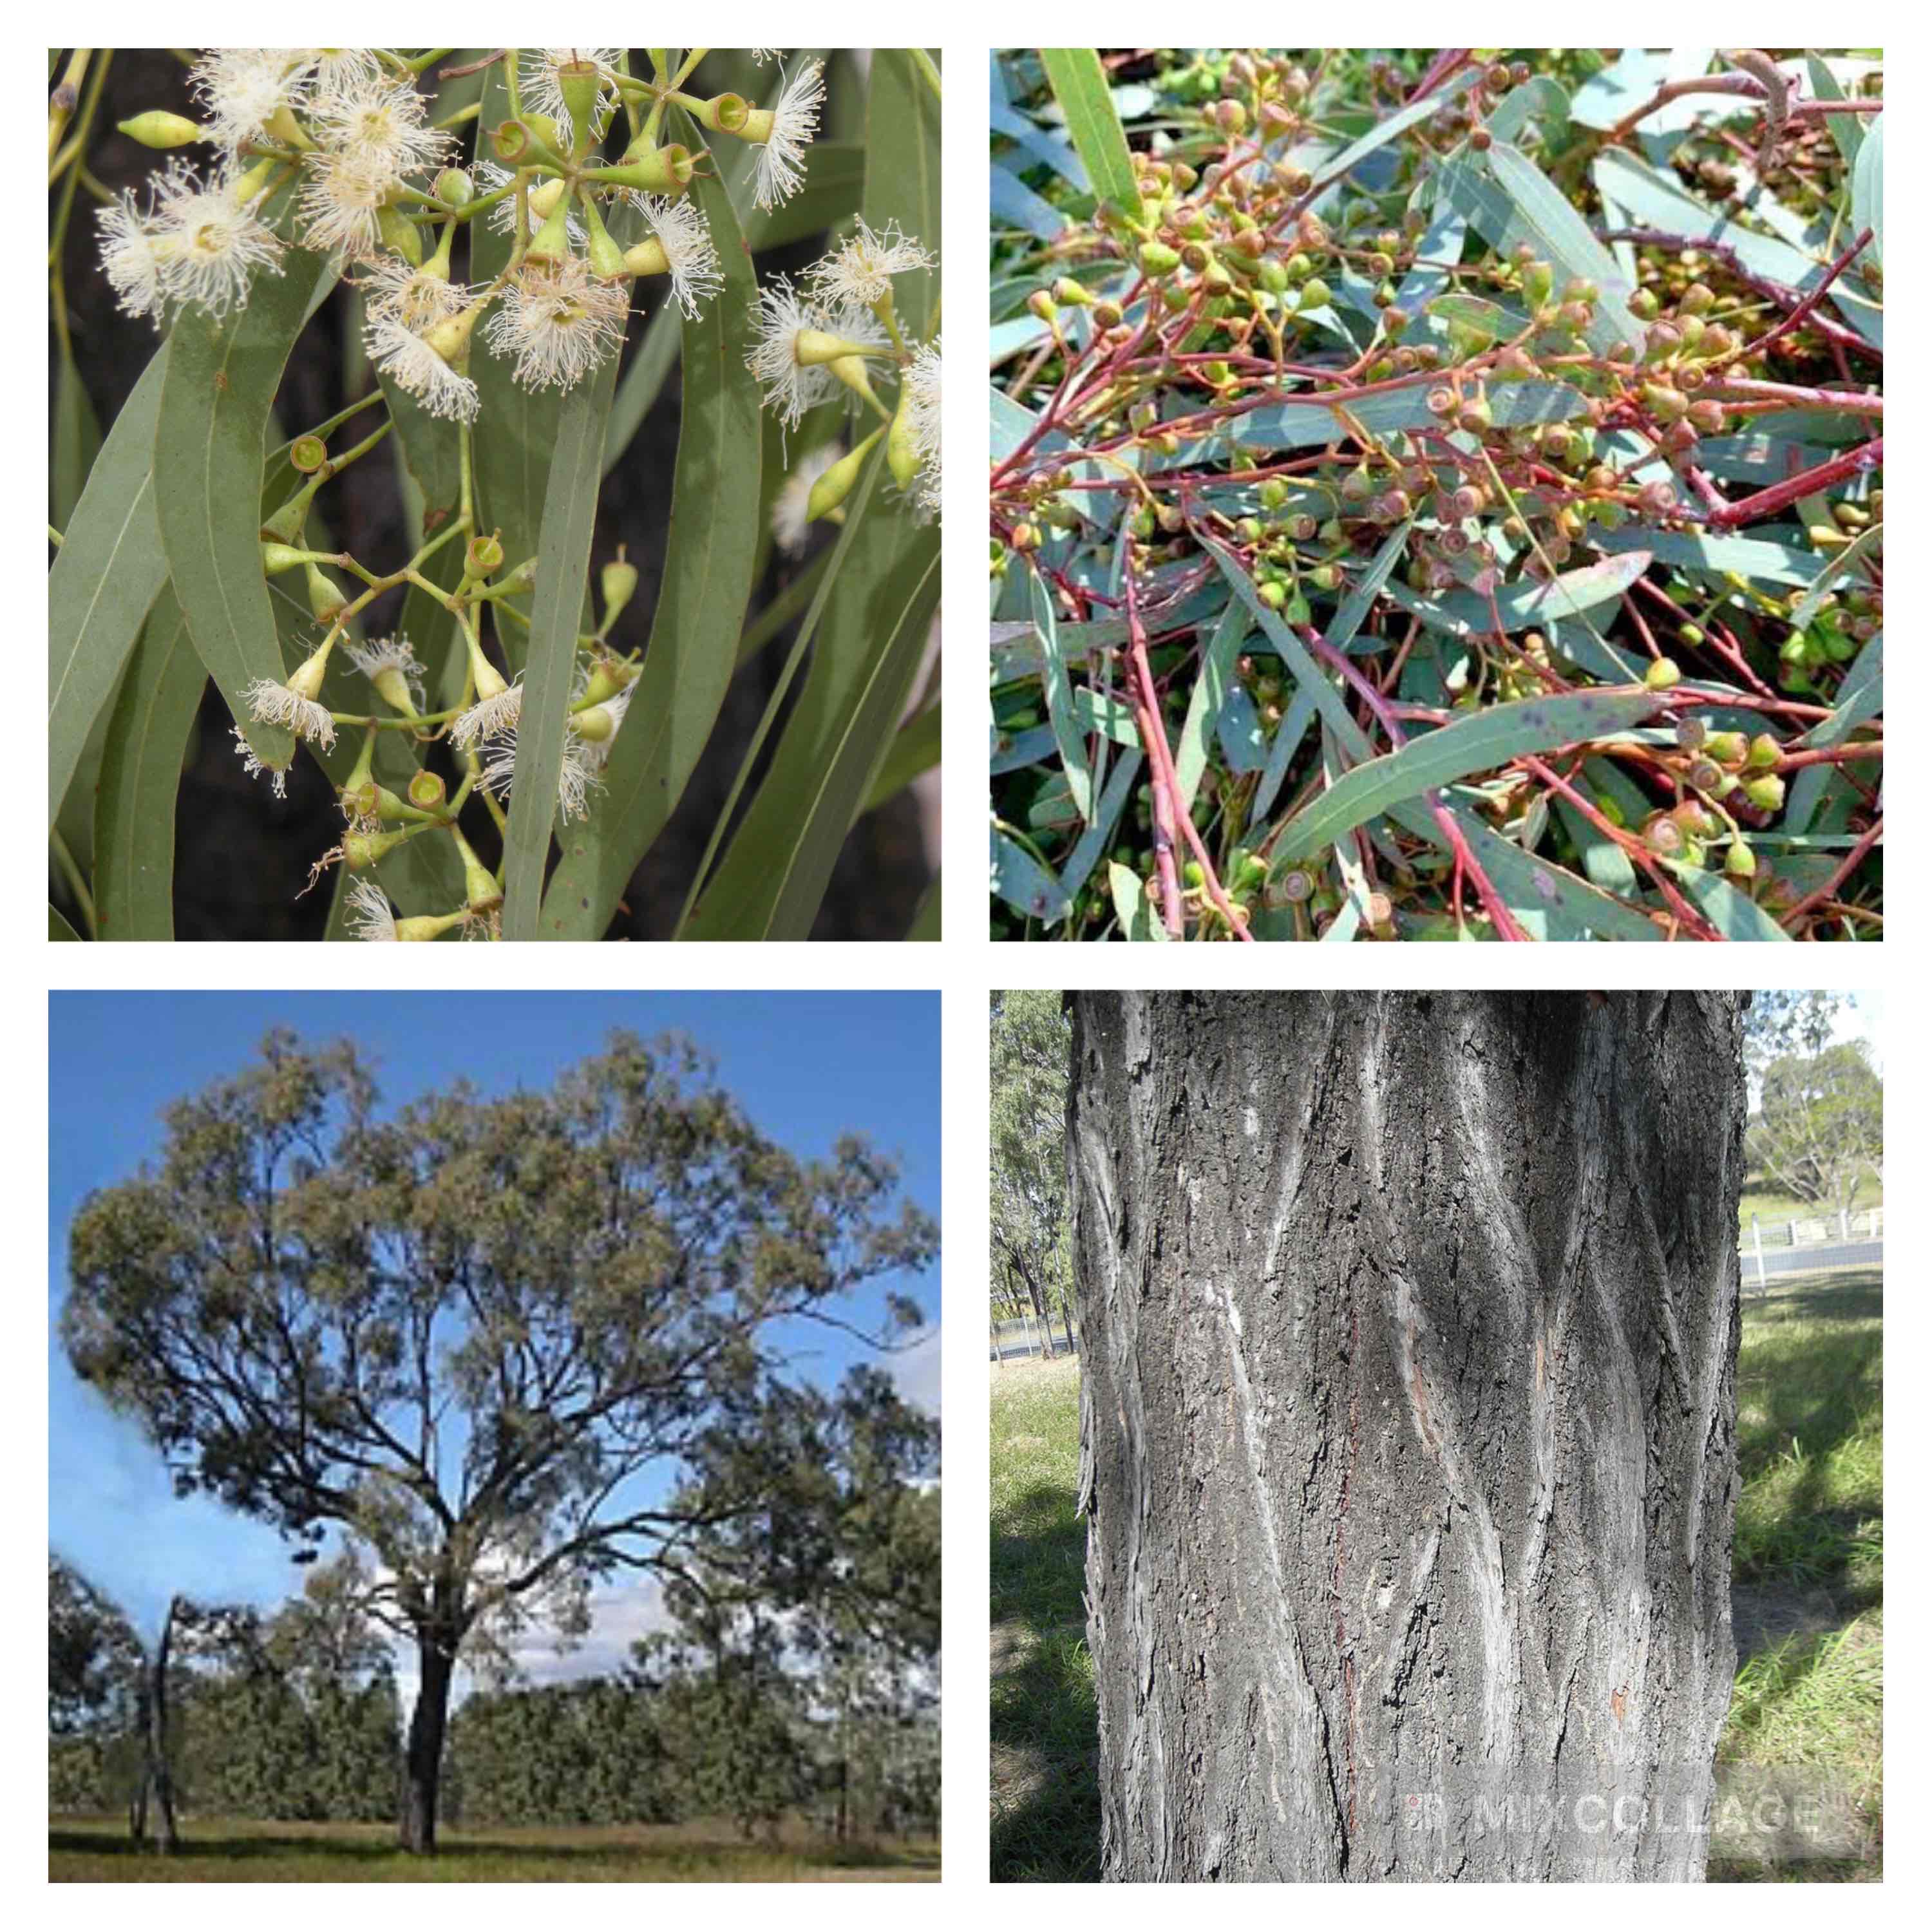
pixel 701 607
pixel 1539 98
pixel 1079 84
pixel 869 645
pixel 1509 200
pixel 217 395
pixel 1487 320
pixel 1862 547
pixel 1086 851
pixel 1204 703
pixel 1548 903
pixel 1736 914
pixel 1846 131
pixel 1014 205
pixel 140 776
pixel 563 559
pixel 76 443
pixel 914 750
pixel 883 590
pixel 1383 132
pixel 1024 883
pixel 1058 693
pixel 58 927
pixel 1529 603
pixel 1483 743
pixel 1868 186
pixel 1320 693
pixel 1363 592
pixel 1299 425
pixel 104 577
pixel 926 921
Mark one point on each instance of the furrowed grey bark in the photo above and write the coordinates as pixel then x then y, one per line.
pixel 1408 1418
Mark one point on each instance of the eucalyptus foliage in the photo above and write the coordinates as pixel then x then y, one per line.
pixel 1437 494
pixel 508 709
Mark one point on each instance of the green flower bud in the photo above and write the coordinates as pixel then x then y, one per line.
pixel 157 129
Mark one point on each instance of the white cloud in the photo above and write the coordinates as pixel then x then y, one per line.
pixel 916 1369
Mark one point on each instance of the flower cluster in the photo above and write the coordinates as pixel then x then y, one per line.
pixel 333 149
pixel 819 342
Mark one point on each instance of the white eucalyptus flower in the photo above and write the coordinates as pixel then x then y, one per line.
pixel 369 916
pixel 794 121
pixel 371 138
pixel 254 767
pixel 922 381
pixel 390 664
pixel 490 718
pixel 559 320
pixel 242 89
pixel 198 244
pixel 791 524
pixel 272 703
pixel 696 273
pixel 404 310
pixel 792 387
pixel 860 269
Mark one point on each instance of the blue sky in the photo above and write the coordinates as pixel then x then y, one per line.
pixel 806 1066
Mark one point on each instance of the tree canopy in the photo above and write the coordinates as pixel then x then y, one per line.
pixel 1816 1131
pixel 1028 1204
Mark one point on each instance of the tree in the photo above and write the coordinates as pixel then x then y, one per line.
pixel 1408 1424
pixel 1028 1136
pixel 455 1337
pixel 94 1657
pixel 1819 1129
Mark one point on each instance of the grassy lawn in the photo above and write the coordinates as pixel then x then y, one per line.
pixel 1807 1599
pixel 1771 1207
pixel 252 1851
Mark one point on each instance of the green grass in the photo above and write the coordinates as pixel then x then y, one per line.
pixel 1046 1810
pixel 254 1852
pixel 1807 1570
pixel 1771 1207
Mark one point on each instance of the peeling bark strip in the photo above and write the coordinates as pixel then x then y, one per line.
pixel 1408 1428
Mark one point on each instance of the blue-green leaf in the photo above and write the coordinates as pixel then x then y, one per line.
pixel 1484 742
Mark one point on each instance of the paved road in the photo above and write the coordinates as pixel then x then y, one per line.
pixel 1818 1255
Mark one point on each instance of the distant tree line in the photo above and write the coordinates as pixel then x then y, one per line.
pixel 750 1719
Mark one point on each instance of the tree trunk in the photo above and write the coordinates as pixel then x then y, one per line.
pixel 422 1768
pixel 1409 1338
pixel 157 1780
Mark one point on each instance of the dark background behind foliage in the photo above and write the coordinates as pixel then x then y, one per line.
pixel 242 856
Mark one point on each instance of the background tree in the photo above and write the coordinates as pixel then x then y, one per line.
pixel 453 1336
pixel 1408 1420
pixel 1817 1130
pixel 96 1671
pixel 93 1657
pixel 1028 1142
